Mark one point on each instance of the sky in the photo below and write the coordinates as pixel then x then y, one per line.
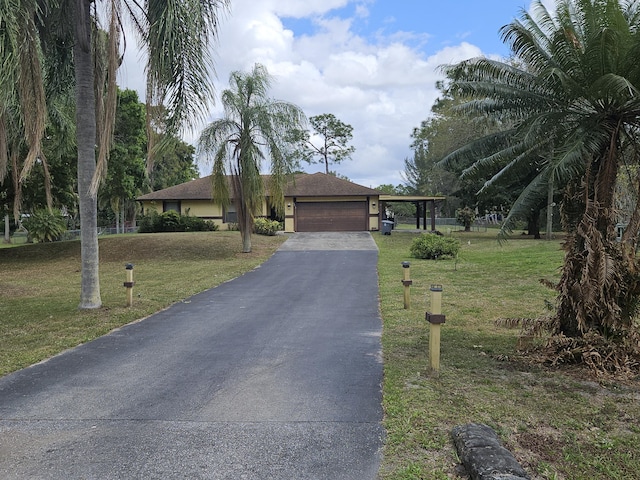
pixel 373 64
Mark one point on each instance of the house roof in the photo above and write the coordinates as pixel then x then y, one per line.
pixel 407 198
pixel 302 185
pixel 323 185
pixel 198 189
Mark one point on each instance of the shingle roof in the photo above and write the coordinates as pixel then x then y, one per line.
pixel 198 189
pixel 303 185
pixel 323 185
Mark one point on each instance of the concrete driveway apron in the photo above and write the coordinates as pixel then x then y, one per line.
pixel 274 375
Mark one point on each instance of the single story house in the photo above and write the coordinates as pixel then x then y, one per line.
pixel 313 203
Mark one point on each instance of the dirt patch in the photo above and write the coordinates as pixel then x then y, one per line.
pixel 542 444
pixel 9 290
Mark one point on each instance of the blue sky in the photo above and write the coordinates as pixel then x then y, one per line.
pixel 372 63
pixel 432 24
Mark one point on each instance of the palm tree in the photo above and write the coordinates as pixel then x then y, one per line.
pixel 575 104
pixel 253 127
pixel 176 37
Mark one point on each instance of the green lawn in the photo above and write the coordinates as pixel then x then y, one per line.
pixel 559 424
pixel 40 285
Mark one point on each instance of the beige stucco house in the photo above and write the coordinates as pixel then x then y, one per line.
pixel 313 202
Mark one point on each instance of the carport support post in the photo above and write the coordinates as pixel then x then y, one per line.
pixel 406 268
pixel 435 319
pixel 129 283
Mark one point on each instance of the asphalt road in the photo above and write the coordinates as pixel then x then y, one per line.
pixel 274 375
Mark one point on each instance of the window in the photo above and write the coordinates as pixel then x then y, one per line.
pixel 230 215
pixel 171 205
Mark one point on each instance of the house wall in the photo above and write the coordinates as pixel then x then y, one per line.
pixel 374 213
pixel 289 217
pixel 205 209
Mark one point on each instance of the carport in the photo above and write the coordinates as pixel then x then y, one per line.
pixel 420 202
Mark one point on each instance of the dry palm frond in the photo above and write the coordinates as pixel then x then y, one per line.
pixel 31 92
pixel 618 356
pixel 530 327
pixel 549 284
pixel 4 150
pixel 106 109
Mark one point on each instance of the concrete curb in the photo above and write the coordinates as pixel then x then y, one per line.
pixel 483 456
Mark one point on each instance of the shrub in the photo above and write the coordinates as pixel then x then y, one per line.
pixel 264 226
pixel 466 216
pixel 196 224
pixel 171 221
pixel 45 225
pixel 149 223
pixel 429 246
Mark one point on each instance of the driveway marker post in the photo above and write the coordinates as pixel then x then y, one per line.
pixel 435 319
pixel 406 267
pixel 129 283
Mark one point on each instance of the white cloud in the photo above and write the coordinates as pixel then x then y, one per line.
pixel 383 90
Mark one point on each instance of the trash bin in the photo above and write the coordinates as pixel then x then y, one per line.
pixel 387 226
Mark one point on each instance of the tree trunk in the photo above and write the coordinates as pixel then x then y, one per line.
pixel 599 283
pixel 7 229
pixel 550 206
pixel 246 233
pixel 533 224
pixel 86 139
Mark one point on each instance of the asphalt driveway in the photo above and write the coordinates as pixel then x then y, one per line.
pixel 274 375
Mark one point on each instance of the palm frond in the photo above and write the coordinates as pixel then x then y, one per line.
pixel 31 91
pixel 107 112
pixel 177 36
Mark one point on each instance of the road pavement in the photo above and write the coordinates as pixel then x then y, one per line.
pixel 274 375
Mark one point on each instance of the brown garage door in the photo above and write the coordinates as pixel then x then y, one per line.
pixel 331 217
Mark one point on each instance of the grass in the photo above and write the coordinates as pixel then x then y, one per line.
pixel 40 286
pixel 559 424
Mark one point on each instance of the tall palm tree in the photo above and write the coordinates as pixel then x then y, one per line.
pixel 176 36
pixel 575 101
pixel 254 127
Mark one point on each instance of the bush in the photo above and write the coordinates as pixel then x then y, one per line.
pixel 173 222
pixel 170 221
pixel 196 224
pixel 465 216
pixel 264 226
pixel 429 246
pixel 45 225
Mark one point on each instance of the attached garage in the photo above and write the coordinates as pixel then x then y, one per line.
pixel 331 216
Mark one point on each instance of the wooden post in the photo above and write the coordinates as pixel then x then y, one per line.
pixel 129 283
pixel 407 282
pixel 435 319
